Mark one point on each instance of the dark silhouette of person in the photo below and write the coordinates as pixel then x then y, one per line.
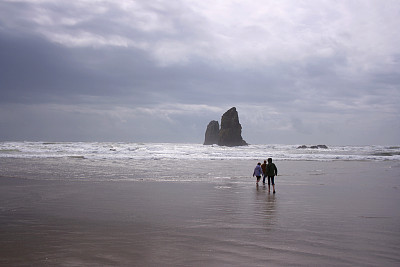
pixel 271 171
pixel 264 170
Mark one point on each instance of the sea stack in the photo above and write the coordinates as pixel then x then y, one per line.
pixel 231 130
pixel 230 133
pixel 212 133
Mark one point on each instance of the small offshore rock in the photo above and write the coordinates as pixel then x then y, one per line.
pixel 212 133
pixel 313 147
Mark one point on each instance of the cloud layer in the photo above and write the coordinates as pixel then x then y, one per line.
pixel 159 71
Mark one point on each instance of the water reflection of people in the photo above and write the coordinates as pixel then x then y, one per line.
pixel 270 203
pixel 266 206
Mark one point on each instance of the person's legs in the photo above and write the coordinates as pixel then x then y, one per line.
pixel 264 178
pixel 273 183
pixel 269 183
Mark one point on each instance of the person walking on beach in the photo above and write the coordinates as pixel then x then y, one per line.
pixel 271 171
pixel 264 170
pixel 257 172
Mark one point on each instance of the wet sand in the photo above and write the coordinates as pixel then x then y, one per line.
pixel 324 214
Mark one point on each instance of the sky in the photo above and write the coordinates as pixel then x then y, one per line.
pixel 298 72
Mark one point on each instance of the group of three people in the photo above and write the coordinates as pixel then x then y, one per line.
pixel 266 170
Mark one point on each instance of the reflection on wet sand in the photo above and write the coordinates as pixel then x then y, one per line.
pixel 265 206
pixel 226 222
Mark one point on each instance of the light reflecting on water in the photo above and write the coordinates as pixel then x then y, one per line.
pixel 64 212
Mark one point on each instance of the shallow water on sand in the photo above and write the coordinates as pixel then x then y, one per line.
pixel 195 213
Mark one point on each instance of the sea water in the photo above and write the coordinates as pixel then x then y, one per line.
pixel 165 161
pixel 111 151
pixel 133 204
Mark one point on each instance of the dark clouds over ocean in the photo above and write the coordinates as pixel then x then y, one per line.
pixel 309 72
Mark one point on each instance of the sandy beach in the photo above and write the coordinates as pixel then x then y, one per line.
pixel 324 214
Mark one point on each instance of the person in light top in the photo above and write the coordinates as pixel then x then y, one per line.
pixel 258 172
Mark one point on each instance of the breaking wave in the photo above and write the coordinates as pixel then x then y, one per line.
pixel 160 151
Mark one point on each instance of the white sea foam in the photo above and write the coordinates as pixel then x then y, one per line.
pixel 160 151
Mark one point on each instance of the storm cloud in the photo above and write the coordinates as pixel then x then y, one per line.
pixel 159 71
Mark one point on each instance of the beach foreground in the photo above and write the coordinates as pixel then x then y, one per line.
pixel 335 213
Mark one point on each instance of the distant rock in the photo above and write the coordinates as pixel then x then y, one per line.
pixel 313 147
pixel 231 130
pixel 212 133
pixel 230 133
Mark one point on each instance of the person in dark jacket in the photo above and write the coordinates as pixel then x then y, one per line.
pixel 272 171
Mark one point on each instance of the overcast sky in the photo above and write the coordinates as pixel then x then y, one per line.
pixel 298 72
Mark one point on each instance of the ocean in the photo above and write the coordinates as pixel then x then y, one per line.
pixel 160 151
pixel 165 161
pixel 148 204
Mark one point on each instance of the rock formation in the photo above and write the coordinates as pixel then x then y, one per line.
pixel 231 130
pixel 313 147
pixel 230 133
pixel 319 146
pixel 212 133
